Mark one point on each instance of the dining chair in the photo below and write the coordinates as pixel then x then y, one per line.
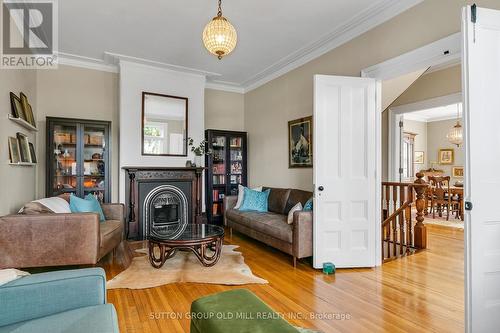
pixel 441 197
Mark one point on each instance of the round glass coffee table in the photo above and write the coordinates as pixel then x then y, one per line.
pixel 197 238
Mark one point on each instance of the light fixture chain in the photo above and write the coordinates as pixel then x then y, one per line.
pixel 219 12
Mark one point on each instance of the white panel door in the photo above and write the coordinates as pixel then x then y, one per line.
pixel 345 171
pixel 481 82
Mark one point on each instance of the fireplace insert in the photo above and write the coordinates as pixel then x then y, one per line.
pixel 165 212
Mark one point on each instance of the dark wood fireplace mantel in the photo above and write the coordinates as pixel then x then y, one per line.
pixel 142 174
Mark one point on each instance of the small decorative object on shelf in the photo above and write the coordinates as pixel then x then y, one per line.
pixel 328 268
pixel 226 169
pixel 199 151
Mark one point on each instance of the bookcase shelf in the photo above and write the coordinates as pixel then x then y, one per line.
pixel 226 169
pixel 23 123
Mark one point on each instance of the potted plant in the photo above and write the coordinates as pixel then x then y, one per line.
pixel 199 150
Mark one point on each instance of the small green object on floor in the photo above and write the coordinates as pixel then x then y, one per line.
pixel 237 310
pixel 328 268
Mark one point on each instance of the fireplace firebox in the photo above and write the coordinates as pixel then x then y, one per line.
pixel 160 199
pixel 165 212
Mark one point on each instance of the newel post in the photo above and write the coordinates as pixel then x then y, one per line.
pixel 420 232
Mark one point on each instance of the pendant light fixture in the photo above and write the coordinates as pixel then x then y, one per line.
pixel 219 36
pixel 455 135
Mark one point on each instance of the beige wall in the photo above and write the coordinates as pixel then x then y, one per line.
pixel 269 107
pixel 436 140
pixel 224 110
pixel 17 183
pixel 435 84
pixel 73 92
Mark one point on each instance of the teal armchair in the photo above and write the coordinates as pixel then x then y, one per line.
pixel 61 301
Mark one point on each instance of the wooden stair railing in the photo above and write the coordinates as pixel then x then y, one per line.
pixel 400 234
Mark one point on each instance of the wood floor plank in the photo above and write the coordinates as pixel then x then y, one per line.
pixel 419 293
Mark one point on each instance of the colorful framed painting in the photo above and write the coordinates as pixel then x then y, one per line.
pixel 300 134
pixel 458 172
pixel 446 156
pixel 419 157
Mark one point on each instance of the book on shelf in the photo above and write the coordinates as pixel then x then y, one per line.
pixel 235 143
pixel 236 167
pixel 218 169
pixel 215 208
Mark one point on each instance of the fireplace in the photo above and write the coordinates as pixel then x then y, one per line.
pixel 165 211
pixel 159 199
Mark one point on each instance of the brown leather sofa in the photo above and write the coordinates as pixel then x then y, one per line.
pixel 271 227
pixel 59 239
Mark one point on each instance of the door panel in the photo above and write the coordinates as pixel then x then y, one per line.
pixel 345 171
pixel 481 82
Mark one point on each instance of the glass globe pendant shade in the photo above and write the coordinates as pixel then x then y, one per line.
pixel 219 36
pixel 455 135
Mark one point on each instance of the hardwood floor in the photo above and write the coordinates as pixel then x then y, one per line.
pixel 419 293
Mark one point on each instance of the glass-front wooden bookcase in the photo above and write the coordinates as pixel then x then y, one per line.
pixel 78 157
pixel 226 169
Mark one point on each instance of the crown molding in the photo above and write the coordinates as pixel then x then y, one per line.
pixel 363 22
pixel 115 58
pixel 225 86
pixel 85 62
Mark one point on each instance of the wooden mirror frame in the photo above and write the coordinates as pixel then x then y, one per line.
pixel 144 93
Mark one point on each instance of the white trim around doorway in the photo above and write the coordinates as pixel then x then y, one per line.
pixel 442 52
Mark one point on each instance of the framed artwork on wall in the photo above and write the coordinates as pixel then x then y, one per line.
pixel 446 156
pixel 419 157
pixel 32 152
pixel 24 148
pixel 17 106
pixel 300 133
pixel 14 154
pixel 458 172
pixel 28 112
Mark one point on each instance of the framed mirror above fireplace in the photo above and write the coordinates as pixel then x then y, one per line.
pixel 164 125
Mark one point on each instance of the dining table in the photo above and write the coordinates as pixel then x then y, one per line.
pixel 457 191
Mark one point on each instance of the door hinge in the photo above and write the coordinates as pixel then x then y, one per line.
pixel 468 205
pixel 401 170
pixel 401 124
pixel 473 18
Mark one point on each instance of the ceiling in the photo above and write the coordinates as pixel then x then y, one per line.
pixel 271 34
pixel 435 114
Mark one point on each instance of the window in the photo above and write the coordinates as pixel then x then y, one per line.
pixel 407 153
pixel 154 137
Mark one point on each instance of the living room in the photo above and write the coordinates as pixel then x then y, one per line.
pixel 190 175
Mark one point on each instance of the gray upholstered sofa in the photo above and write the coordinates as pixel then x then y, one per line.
pixel 271 227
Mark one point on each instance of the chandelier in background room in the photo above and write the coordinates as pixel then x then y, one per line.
pixel 455 135
pixel 219 36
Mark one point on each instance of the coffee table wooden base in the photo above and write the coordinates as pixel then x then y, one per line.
pixel 168 248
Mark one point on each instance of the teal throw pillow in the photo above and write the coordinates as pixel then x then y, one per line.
pixel 308 206
pixel 87 205
pixel 255 200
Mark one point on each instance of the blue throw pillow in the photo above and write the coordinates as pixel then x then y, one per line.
pixel 255 200
pixel 308 206
pixel 87 205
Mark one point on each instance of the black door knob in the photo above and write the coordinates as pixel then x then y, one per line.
pixel 321 188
